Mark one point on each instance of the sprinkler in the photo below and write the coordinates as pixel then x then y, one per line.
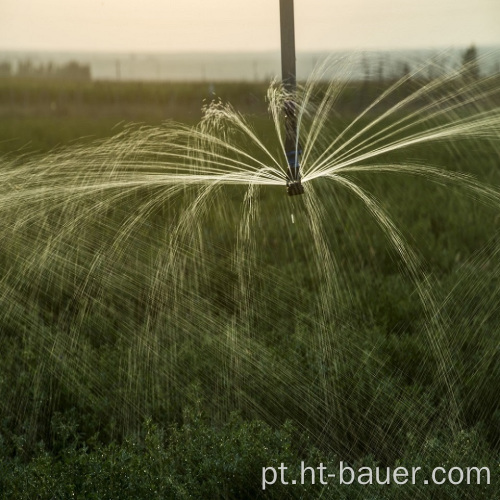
pixel 288 74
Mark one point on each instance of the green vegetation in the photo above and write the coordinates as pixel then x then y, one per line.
pixel 123 377
pixel 38 115
pixel 199 460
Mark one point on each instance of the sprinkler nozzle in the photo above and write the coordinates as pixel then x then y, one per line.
pixel 293 182
pixel 294 188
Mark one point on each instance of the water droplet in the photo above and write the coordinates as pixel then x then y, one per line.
pixel 293 219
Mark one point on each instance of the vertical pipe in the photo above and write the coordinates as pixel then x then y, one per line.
pixel 288 69
pixel 289 78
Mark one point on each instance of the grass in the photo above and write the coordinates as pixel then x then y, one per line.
pixel 41 115
pixel 109 393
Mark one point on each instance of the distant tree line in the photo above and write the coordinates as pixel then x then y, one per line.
pixel 27 69
pixel 469 65
pixel 373 68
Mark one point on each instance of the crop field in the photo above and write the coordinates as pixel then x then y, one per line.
pixel 171 322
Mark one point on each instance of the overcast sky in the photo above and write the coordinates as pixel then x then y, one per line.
pixel 249 25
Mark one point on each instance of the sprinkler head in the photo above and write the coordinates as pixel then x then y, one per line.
pixel 293 182
pixel 294 188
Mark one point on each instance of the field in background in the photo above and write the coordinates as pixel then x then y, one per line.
pixel 390 379
pixel 40 115
pixel 37 115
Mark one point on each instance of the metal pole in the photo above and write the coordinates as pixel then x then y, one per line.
pixel 289 77
pixel 288 69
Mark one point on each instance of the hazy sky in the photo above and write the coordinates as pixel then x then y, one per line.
pixel 251 25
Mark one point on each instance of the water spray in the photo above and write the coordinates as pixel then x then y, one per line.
pixel 288 74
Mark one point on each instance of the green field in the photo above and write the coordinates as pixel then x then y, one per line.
pixel 170 341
